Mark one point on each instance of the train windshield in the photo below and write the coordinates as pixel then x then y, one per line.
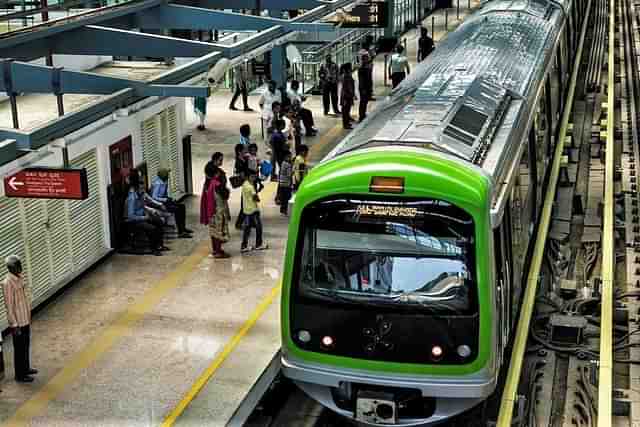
pixel 412 254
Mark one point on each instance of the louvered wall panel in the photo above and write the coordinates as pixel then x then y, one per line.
pixel 59 239
pixel 151 145
pixel 176 178
pixel 11 241
pixel 87 233
pixel 37 249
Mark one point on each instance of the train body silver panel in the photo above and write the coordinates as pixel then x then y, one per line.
pixel 494 64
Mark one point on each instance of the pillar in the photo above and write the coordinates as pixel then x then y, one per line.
pixel 279 65
pixel 389 30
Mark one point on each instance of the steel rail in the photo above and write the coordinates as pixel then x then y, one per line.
pixel 508 399
pixel 605 369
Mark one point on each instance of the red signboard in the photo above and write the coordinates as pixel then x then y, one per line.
pixel 48 183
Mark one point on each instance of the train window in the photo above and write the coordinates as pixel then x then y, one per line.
pixel 414 255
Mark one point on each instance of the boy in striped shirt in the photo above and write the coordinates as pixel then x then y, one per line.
pixel 285 183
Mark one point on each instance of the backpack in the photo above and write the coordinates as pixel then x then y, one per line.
pixel 266 168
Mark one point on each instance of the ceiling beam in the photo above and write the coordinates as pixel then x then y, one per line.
pixel 31 78
pixel 251 4
pixel 173 16
pixel 96 40
pixel 62 25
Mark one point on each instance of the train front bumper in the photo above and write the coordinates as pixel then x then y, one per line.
pixel 453 395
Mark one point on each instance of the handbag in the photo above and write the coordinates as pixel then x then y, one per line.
pixel 236 181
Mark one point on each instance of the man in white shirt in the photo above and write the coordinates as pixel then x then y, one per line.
pixel 267 99
pixel 305 114
pixel 398 67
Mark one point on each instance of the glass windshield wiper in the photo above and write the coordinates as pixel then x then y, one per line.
pixel 428 301
pixel 333 294
pixel 352 296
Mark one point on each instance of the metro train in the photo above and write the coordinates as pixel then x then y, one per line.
pixel 407 243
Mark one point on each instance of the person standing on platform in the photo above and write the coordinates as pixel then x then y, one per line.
pixel 240 169
pixel 271 118
pixel 200 108
pixel 251 210
pixel 271 95
pixel 425 44
pixel 160 193
pixel 278 144
pixel 368 53
pixel 295 129
pixel 348 95
pixel 299 166
pixel 398 67
pixel 18 305
pixel 217 207
pixel 365 86
pixel 285 183
pixel 245 135
pixel 329 74
pixel 240 80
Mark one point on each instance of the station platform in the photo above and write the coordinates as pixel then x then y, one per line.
pixel 172 340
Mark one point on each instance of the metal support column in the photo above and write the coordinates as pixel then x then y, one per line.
pixel 8 84
pixel 390 29
pixel 279 65
pixel 57 89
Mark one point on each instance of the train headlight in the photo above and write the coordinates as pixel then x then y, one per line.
pixel 464 351
pixel 304 336
pixel 327 341
pixel 436 352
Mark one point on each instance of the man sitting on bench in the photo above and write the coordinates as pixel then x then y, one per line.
pixel 160 194
pixel 137 217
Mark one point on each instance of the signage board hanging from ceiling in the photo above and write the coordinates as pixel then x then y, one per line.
pixel 370 14
pixel 48 183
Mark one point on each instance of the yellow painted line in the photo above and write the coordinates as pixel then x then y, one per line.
pixel 522 332
pixel 119 328
pixel 219 360
pixel 605 369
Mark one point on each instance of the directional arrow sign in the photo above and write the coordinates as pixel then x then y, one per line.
pixel 48 183
pixel 14 183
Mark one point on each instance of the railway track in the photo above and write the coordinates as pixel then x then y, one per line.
pixel 593 382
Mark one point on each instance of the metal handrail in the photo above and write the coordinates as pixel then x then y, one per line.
pixel 522 331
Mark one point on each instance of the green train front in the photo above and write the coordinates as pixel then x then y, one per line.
pixel 387 295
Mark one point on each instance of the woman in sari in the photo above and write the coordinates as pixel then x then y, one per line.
pixel 214 206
